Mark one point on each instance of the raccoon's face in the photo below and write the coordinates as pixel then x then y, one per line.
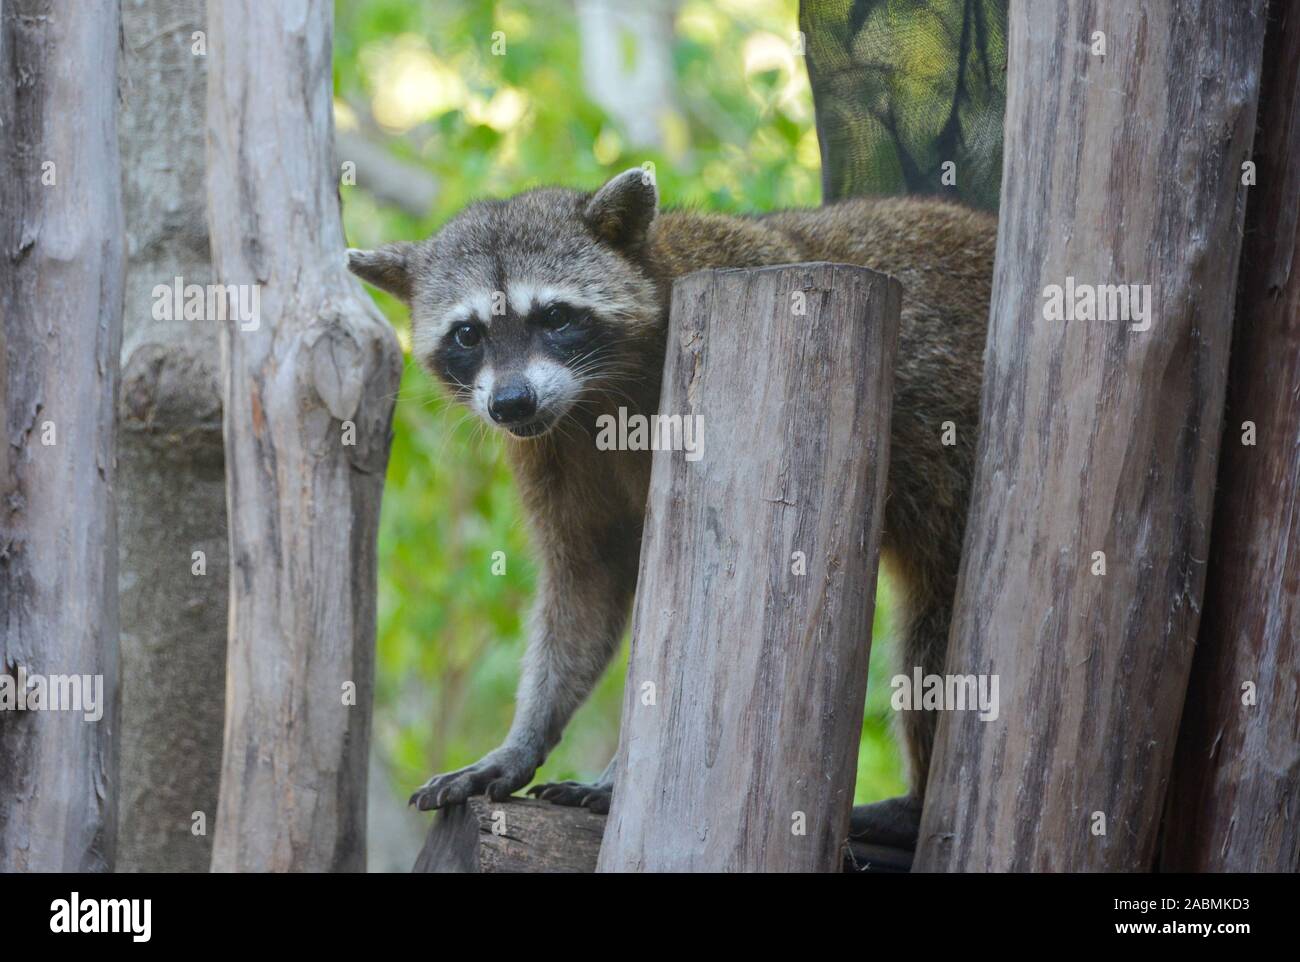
pixel 524 306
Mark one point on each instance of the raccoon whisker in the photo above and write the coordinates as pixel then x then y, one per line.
pixel 613 377
pixel 437 409
pixel 595 362
pixel 478 431
pixel 598 367
pixel 465 416
pixel 458 385
pixel 583 371
pixel 589 360
pixel 607 373
pixel 441 407
pixel 447 435
pixel 604 352
pixel 468 418
pixel 593 399
pixel 410 395
pixel 594 386
pixel 577 431
pixel 398 395
pixel 561 428
pixel 426 399
pixel 438 405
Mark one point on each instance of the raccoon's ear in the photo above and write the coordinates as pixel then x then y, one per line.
pixel 621 211
pixel 387 267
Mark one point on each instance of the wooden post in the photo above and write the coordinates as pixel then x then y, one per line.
pixel 1234 799
pixel 61 269
pixel 1085 549
pixel 171 485
pixel 308 400
pixel 517 835
pixel 523 835
pixel 743 706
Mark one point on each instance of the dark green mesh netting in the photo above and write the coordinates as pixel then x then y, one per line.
pixel 900 87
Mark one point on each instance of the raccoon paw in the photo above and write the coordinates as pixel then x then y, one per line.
pixel 496 775
pixel 595 796
pixel 895 822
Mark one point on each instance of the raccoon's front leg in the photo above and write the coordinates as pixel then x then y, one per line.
pixel 576 627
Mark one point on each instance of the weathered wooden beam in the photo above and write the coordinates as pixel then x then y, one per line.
pixel 308 396
pixel 743 705
pixel 1234 799
pixel 526 835
pixel 1085 548
pixel 517 835
pixel 61 270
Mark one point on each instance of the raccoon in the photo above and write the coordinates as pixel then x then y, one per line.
pixel 546 310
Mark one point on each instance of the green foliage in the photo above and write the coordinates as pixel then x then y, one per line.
pixel 450 632
pixel 911 85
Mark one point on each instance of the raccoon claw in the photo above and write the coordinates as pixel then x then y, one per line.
pixel 595 796
pixel 497 775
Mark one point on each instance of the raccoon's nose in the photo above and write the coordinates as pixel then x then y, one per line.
pixel 512 402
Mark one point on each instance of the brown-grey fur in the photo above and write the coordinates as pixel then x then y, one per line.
pixel 586 506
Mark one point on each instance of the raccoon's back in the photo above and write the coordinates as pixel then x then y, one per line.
pixel 941 252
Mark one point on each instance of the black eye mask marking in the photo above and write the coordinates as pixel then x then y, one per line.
pixel 565 329
pixel 459 356
pixel 569 334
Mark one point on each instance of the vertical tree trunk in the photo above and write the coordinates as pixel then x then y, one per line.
pixel 308 392
pixel 743 706
pixel 1096 435
pixel 61 309
pixel 1234 800
pixel 171 492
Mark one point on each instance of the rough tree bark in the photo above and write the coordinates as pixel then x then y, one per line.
pixel 171 491
pixel 1122 168
pixel 61 314
pixel 743 704
pixel 308 392
pixel 1234 800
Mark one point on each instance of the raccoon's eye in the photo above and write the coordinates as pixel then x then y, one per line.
pixel 555 318
pixel 467 335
